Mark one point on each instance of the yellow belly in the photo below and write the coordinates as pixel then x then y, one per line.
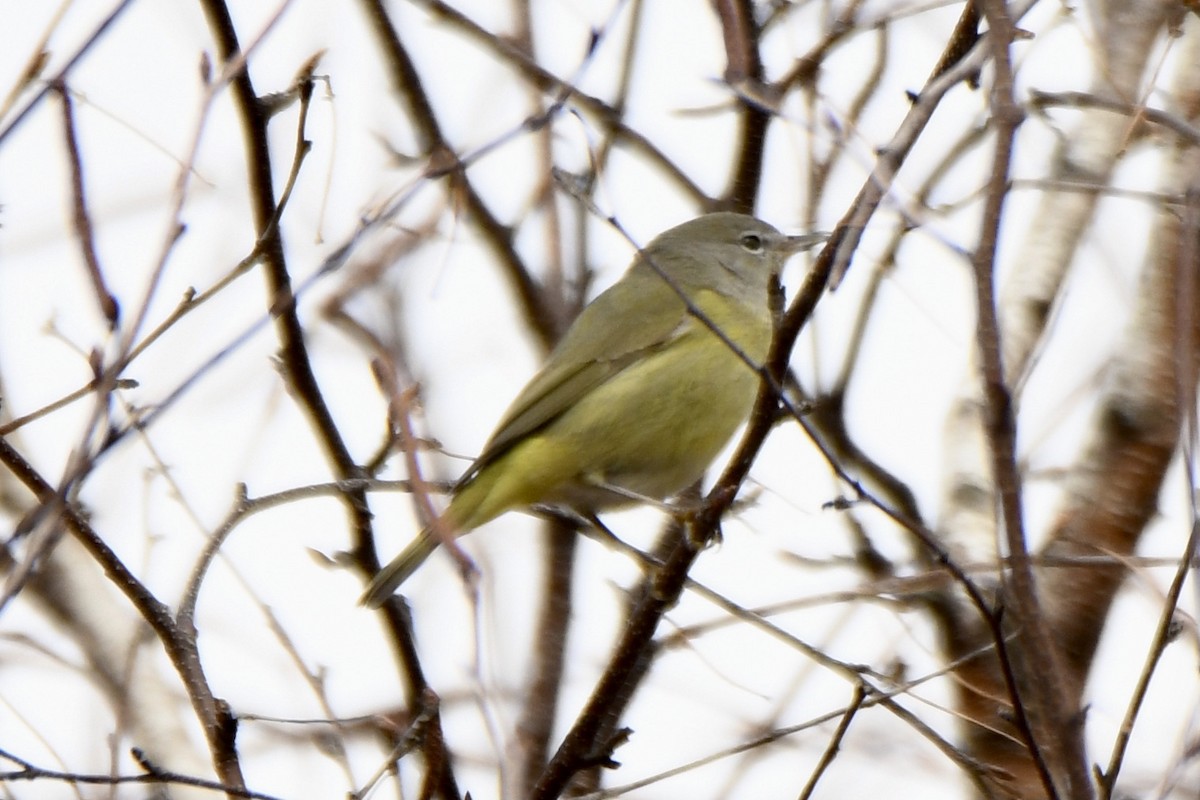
pixel 652 429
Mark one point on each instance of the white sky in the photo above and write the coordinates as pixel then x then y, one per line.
pixel 138 106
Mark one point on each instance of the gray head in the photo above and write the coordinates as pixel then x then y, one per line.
pixel 735 253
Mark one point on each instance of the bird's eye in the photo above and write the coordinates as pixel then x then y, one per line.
pixel 751 243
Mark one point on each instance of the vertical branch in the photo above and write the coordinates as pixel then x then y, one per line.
pixel 81 217
pixel 1114 488
pixel 540 709
pixel 744 73
pixel 1045 695
pixel 255 116
pixel 582 748
pixel 1086 154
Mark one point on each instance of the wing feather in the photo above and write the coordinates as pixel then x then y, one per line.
pixel 590 354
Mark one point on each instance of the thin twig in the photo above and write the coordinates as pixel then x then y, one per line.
pixel 81 217
pixel 835 742
pixel 154 775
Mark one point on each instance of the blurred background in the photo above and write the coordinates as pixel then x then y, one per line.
pixel 263 265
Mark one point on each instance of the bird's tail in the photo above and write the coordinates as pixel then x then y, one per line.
pixel 399 569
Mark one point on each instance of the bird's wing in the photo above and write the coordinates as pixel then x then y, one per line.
pixel 593 350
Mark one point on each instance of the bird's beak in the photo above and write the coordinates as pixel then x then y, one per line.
pixel 798 244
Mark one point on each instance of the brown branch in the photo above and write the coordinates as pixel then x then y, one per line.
pixel 84 48
pixel 821 168
pixel 541 698
pixel 1074 599
pixel 255 116
pixel 964 38
pixel 1044 709
pixel 980 774
pixel 744 72
pixel 807 68
pixel 154 776
pixel 835 742
pixel 80 216
pixel 955 64
pixel 580 748
pixel 1163 635
pixel 1182 128
pixel 179 643
pixel 608 115
pixel 610 731
pixel 826 423
pixel 444 160
pixel 541 701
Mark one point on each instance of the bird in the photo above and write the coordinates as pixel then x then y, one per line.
pixel 645 388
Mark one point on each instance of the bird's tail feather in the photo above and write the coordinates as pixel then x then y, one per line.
pixel 399 569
